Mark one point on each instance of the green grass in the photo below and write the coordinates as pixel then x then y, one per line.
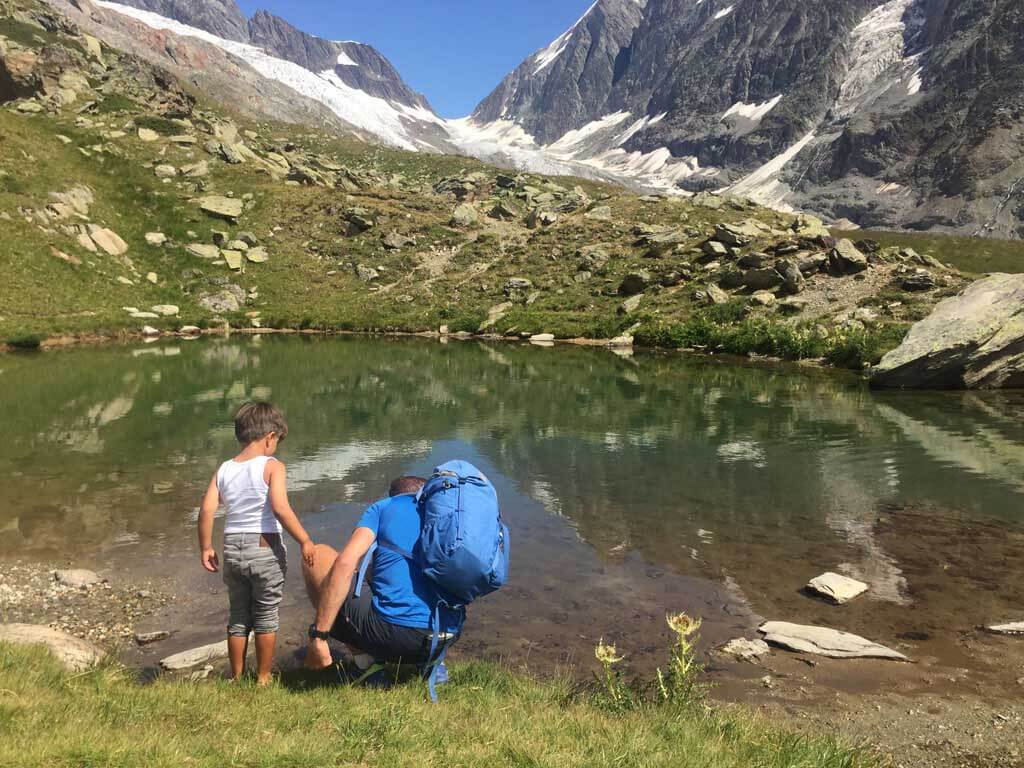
pixel 970 254
pixel 717 330
pixel 488 716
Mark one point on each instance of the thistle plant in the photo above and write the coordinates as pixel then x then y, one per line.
pixel 679 684
pixel 615 694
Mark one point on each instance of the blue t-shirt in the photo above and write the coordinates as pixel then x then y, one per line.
pixel 401 593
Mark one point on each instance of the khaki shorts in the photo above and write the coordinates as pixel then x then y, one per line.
pixel 255 565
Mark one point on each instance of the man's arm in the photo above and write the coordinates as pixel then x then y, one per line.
pixel 278 482
pixel 211 501
pixel 339 580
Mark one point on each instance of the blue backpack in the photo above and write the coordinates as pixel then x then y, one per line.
pixel 464 545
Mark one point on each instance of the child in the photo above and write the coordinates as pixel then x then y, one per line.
pixel 252 489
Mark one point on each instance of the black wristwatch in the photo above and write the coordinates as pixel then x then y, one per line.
pixel 316 634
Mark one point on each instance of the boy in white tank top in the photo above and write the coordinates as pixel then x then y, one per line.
pixel 252 489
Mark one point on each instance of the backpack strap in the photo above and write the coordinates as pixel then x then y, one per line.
pixel 363 566
pixel 439 648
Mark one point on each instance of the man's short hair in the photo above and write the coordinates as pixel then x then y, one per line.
pixel 256 420
pixel 408 484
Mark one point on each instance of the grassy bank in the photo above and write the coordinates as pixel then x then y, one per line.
pixel 488 716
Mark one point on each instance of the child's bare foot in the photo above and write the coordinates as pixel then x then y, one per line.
pixel 263 682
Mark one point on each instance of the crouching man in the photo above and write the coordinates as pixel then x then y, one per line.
pixel 392 621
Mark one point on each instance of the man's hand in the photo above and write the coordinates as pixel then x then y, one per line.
pixel 208 557
pixel 318 655
pixel 309 552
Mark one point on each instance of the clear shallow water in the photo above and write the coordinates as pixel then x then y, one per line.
pixel 632 486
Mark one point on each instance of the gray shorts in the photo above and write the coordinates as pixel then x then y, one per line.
pixel 255 565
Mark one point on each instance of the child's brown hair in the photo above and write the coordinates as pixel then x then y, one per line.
pixel 256 420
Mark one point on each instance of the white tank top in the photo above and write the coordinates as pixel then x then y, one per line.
pixel 246 497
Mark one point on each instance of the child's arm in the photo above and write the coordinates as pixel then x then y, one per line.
pixel 207 554
pixel 283 510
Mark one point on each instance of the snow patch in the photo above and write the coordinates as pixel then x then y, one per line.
pixel 545 57
pixel 763 185
pixel 724 12
pixel 370 113
pixel 573 139
pixel 345 61
pixel 878 61
pixel 752 112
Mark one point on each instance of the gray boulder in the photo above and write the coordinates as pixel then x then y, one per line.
pixel 918 281
pixel 77 577
pixel 793 281
pixel 465 215
pixel 974 340
pixel 366 274
pixel 75 654
pixel 762 279
pixel 635 282
pixel 845 259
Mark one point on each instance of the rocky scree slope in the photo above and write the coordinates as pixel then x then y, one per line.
pixel 158 208
pixel 903 113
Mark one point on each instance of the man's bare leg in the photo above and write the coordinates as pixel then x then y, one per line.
pixel 315 576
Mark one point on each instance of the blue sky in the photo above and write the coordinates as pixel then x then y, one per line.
pixel 454 51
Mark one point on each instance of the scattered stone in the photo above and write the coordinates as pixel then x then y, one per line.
pixel 124 280
pixel 845 259
pixel 165 172
pixel 148 638
pixel 221 207
pixel 366 274
pixel 236 245
pixel 221 302
pixel 836 588
pixel 793 281
pixel 715 295
pixel 505 210
pixel 600 213
pixel 715 249
pixel 358 221
pixel 150 332
pixel 232 258
pixel 77 577
pixel 631 305
pixel 793 306
pixel 196 170
pixel 396 241
pixel 152 278
pixel 920 280
pixel 740 234
pixel 635 282
pixel 972 340
pixel 74 654
pixel 465 215
pixel 109 241
pixel 248 238
pixel 763 298
pixel 166 310
pixel 203 251
pixel 762 279
pixel 754 260
pixel 746 650
pixel 190 330
pixel 810 227
pixel 517 285
pixel 156 238
pixel 257 255
pixel 148 135
pixel 542 337
pixel 822 641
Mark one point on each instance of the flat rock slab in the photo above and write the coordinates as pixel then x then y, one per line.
pixel 745 650
pixel 228 208
pixel 822 641
pixel 77 577
pixel 148 638
pixel 839 589
pixel 196 656
pixel 75 654
pixel 1014 628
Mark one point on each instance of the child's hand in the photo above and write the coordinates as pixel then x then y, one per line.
pixel 209 560
pixel 309 552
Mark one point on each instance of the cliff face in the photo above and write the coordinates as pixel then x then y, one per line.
pixel 899 113
pixel 219 17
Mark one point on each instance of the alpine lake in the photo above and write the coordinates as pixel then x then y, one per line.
pixel 633 485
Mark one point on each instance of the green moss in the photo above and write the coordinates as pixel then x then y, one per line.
pixel 161 125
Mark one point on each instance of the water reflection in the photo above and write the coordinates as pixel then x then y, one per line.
pixel 611 466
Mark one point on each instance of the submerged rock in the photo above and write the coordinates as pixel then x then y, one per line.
pixel 974 340
pixel 745 650
pixel 195 656
pixel 75 654
pixel 839 589
pixel 822 641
